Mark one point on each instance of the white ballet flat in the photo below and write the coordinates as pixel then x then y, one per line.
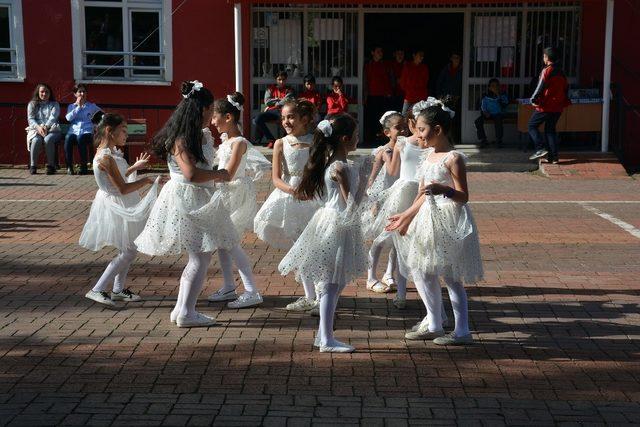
pixel 340 348
pixel 199 321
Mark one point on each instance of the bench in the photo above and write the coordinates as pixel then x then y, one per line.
pixel 136 128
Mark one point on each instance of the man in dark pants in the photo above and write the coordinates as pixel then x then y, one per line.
pixel 549 99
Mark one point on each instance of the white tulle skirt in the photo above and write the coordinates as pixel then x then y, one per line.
pixel 239 197
pixel 116 220
pixel 187 218
pixel 330 250
pixel 282 218
pixel 395 199
pixel 442 240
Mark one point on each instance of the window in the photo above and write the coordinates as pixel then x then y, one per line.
pixel 122 40
pixel 11 41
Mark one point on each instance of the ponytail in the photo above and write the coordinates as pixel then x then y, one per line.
pixel 326 139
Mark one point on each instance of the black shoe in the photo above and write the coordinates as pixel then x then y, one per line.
pixel 33 170
pixel 499 143
pixel 51 170
pixel 484 143
pixel 83 171
pixel 70 171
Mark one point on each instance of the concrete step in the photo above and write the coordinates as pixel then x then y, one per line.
pixel 479 160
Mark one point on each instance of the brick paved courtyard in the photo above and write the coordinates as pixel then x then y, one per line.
pixel 556 323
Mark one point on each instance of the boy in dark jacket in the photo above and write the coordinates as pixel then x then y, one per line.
pixel 549 99
pixel 492 107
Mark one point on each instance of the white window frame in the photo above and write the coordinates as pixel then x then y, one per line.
pixel 16 40
pixel 127 6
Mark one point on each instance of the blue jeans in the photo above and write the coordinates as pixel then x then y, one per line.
pixel 83 142
pixel 550 120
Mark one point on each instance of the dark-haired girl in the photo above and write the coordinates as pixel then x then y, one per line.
pixel 190 215
pixel 43 127
pixel 118 213
pixel 282 217
pixel 241 160
pixel 437 237
pixel 330 251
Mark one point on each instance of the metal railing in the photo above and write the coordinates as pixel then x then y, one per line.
pixel 12 64
pixel 125 62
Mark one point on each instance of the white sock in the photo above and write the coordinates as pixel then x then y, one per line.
pixel 121 278
pixel 119 264
pixel 458 297
pixel 244 268
pixel 328 304
pixel 194 275
pixel 374 256
pixel 226 265
pixel 309 289
pixel 429 289
pixel 391 263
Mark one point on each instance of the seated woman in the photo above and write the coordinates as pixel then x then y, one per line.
pixel 80 132
pixel 43 127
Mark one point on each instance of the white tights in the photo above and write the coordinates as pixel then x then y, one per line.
pixel 328 304
pixel 431 293
pixel 374 257
pixel 191 282
pixel 116 271
pixel 244 267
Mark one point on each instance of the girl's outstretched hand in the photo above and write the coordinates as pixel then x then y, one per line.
pixel 399 223
pixel 141 162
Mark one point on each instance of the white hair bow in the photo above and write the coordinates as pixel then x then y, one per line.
pixel 385 115
pixel 234 103
pixel 325 127
pixel 197 85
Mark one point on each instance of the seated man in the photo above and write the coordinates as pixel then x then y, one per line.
pixel 274 98
pixel 492 107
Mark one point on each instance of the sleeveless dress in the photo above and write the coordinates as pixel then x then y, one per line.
pixel 239 194
pixel 282 218
pixel 382 182
pixel 331 248
pixel 115 219
pixel 443 238
pixel 401 194
pixel 189 216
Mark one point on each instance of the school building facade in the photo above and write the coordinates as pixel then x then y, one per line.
pixel 133 54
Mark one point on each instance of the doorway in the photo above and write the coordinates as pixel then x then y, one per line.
pixel 437 34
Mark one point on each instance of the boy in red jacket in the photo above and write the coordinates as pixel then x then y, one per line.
pixel 549 99
pixel 310 93
pixel 414 81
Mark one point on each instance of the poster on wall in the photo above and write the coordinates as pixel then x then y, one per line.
pixel 495 31
pixel 327 29
pixel 285 42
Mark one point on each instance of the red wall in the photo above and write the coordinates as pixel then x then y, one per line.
pixel 202 49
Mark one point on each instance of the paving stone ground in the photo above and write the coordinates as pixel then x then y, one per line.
pixel 556 323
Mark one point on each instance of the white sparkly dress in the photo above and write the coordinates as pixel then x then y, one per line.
pixel 401 194
pixel 239 194
pixel 282 218
pixel 115 219
pixel 443 238
pixel 331 248
pixel 188 216
pixel 371 226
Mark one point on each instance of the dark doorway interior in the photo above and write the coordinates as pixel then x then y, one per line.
pixel 438 34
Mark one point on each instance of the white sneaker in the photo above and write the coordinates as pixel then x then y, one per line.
pixel 452 339
pixel 125 295
pixel 200 320
pixel 246 300
pixel 337 347
pixel 445 324
pixel 423 333
pixel 301 304
pixel 222 295
pixel 316 341
pixel 315 311
pixel 100 297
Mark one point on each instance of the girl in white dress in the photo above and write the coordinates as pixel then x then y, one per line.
pixel 394 127
pixel 190 215
pixel 238 157
pixel 437 236
pixel 118 213
pixel 330 251
pixel 282 217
